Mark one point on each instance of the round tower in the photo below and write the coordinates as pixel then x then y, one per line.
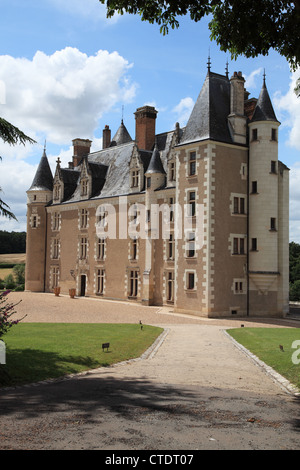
pixel 38 196
pixel 263 197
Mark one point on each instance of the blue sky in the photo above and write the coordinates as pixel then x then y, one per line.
pixel 66 71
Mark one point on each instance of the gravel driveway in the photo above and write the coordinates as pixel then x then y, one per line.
pixel 195 390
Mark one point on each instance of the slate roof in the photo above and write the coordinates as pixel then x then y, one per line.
pixel 208 119
pixel 43 179
pixel 264 110
pixel 155 165
pixel 122 136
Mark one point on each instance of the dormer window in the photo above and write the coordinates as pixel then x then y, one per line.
pixel 135 174
pixel 172 171
pixel 84 187
pixel 57 192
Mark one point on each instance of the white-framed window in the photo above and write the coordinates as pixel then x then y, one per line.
pixel 54 276
pixel 170 286
pixel 190 245
pixel 135 175
pixel 101 242
pixel 56 221
pixel 55 248
pixel 133 284
pixel 100 280
pixel 84 218
pixel 83 247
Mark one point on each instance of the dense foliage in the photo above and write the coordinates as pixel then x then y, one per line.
pixel 238 26
pixel 12 242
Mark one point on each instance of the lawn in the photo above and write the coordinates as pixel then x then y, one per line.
pixel 265 344
pixel 38 351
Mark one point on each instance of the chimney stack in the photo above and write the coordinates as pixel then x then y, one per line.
pixel 145 127
pixel 81 147
pixel 106 137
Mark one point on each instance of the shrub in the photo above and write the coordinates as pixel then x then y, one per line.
pixel 9 282
pixel 6 311
pixel 295 291
pixel 19 273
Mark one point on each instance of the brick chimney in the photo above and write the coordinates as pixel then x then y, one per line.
pixel 81 147
pixel 145 127
pixel 106 137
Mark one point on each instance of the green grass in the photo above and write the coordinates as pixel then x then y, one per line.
pixel 264 343
pixel 38 351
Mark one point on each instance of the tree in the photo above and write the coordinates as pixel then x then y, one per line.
pixel 12 136
pixel 238 26
pixel 297 89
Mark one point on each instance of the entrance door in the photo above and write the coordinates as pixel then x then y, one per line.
pixel 83 285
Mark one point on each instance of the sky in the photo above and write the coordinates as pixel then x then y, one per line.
pixel 66 71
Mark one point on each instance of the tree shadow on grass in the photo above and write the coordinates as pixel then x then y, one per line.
pixel 25 366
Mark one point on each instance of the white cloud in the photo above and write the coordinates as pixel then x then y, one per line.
pixel 64 94
pixel 251 79
pixel 183 110
pixel 288 107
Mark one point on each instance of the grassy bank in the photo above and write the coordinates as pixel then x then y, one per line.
pixel 38 351
pixel 274 347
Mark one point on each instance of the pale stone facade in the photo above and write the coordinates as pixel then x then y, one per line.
pixel 196 218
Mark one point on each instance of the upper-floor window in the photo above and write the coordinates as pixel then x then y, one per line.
pixel 172 171
pixel 191 245
pixel 84 218
pixel 272 223
pixel 83 247
pixel 254 134
pixel 84 187
pixel 192 203
pixel 57 191
pixel 238 246
pixel 239 205
pixel 274 134
pixel 273 166
pixel 254 187
pixel 135 178
pixel 192 163
pixel 101 248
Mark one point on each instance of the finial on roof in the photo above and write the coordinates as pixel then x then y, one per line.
pixel 209 62
pixel 226 70
pixel 264 78
pixel 58 161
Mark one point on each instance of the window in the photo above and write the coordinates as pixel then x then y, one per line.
pixel 55 248
pixel 101 248
pixel 253 244
pixel 274 134
pixel 190 281
pixel 84 218
pixel 55 276
pixel 84 187
pixel 56 220
pixel 191 245
pixel 238 246
pixel 273 167
pixel 57 192
pixel 171 246
pixel 192 164
pixel 239 205
pixel 171 202
pixel 133 284
pixel 170 286
pixel 254 187
pixel 135 179
pixel 172 174
pixel 254 134
pixel 100 281
pixel 83 248
pixel 238 287
pixel 272 223
pixel 34 221
pixel 192 203
pixel 148 182
pixel 134 249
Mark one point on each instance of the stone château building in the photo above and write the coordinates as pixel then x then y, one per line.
pixel 218 186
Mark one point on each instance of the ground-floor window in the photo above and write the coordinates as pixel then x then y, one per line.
pixel 170 286
pixel 133 283
pixel 54 276
pixel 100 281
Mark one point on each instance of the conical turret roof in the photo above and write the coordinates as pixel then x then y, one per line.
pixel 264 110
pixel 43 179
pixel 122 136
pixel 155 164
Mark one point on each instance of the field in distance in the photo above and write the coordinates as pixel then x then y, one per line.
pixel 14 258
